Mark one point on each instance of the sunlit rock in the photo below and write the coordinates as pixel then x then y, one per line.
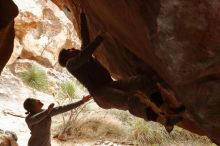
pixel 43 30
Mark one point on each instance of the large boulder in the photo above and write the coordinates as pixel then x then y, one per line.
pixel 176 40
pixel 173 40
pixel 8 138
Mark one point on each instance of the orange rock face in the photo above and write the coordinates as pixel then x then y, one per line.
pixel 8 11
pixel 176 41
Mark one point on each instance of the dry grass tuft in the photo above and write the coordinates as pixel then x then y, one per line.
pixel 151 133
pixel 119 125
pixel 143 133
pixel 96 127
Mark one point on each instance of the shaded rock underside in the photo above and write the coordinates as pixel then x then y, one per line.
pixel 177 41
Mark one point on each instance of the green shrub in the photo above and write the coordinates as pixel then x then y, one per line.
pixel 67 87
pixel 67 91
pixel 35 78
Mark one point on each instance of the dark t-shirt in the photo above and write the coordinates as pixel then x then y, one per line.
pixel 87 69
pixel 91 74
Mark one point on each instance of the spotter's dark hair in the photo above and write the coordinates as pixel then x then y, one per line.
pixel 28 105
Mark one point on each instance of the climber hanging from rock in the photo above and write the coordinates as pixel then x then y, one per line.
pixel 107 93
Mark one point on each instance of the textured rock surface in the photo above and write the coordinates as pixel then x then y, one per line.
pixel 42 30
pixel 4 141
pixel 175 40
pixel 178 39
pixel 16 51
pixel 6 30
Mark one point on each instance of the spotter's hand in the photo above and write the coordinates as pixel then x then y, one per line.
pixel 50 107
pixel 86 98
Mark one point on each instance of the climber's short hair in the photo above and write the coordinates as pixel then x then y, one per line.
pixel 66 54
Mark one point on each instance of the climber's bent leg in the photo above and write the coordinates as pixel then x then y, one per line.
pixel 108 97
pixel 141 83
